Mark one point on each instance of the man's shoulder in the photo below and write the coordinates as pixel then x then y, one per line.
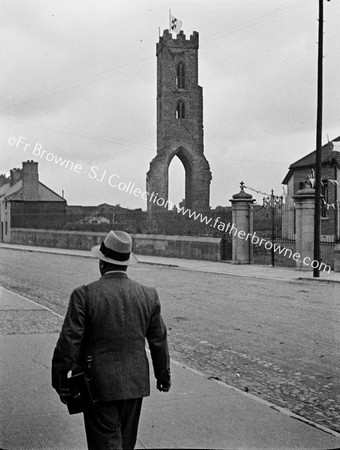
pixel 79 290
pixel 149 290
pixel 134 285
pixel 128 282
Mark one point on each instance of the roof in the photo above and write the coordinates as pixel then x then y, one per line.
pixel 14 193
pixel 7 191
pixel 3 188
pixel 328 156
pixel 47 195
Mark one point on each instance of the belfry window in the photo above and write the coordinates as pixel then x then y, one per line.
pixel 180 110
pixel 180 79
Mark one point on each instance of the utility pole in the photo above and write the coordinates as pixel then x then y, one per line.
pixel 317 218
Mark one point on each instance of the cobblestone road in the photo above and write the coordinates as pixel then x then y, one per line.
pixel 275 339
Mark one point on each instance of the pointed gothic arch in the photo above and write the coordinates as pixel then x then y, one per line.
pixel 187 161
pixel 197 176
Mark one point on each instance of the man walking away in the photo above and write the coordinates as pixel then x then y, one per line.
pixel 109 320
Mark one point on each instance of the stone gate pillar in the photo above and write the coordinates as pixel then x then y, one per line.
pixel 242 227
pixel 304 225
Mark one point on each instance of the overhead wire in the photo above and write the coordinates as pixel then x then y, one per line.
pixel 110 71
pixel 115 70
pixel 255 21
pixel 76 132
pixel 73 85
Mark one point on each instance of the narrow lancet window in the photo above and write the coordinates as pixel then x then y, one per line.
pixel 180 110
pixel 180 80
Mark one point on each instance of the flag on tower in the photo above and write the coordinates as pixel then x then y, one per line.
pixel 175 24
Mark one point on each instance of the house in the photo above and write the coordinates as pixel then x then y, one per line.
pixel 302 173
pixel 95 218
pixel 83 214
pixel 25 202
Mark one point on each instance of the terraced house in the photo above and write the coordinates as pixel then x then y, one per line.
pixel 25 202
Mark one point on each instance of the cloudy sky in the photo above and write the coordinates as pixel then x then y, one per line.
pixel 78 80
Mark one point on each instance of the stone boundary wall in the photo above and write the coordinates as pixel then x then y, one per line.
pixel 205 248
pixel 56 238
pixel 208 249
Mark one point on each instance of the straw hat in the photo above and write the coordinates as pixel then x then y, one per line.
pixel 116 249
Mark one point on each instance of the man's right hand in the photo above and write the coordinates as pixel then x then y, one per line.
pixel 163 386
pixel 65 395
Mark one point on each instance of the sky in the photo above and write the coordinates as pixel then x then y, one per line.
pixel 78 80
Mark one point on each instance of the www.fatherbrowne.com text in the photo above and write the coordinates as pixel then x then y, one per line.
pixel 254 239
pixel 114 181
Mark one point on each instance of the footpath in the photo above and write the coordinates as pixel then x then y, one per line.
pixel 196 413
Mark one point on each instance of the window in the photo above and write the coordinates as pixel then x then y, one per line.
pixel 180 79
pixel 180 110
pixel 325 198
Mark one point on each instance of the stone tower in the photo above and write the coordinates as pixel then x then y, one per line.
pixel 179 122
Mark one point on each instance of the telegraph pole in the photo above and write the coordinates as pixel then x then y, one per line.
pixel 317 218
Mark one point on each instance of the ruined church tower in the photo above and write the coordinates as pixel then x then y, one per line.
pixel 179 122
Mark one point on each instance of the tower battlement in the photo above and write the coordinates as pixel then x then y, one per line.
pixel 179 42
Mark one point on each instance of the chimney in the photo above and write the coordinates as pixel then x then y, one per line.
pixel 4 179
pixel 15 176
pixel 30 180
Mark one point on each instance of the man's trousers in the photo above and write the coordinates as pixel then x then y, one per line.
pixel 113 425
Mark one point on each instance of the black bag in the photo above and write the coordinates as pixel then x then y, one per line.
pixel 83 391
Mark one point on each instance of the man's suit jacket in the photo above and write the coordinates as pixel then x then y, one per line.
pixel 117 314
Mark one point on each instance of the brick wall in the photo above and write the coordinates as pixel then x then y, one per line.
pixel 38 214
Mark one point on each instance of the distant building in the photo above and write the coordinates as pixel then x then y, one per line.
pixel 303 171
pixel 25 202
pixel 95 218
pixel 90 214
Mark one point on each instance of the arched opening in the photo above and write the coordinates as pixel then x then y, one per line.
pixel 179 161
pixel 176 181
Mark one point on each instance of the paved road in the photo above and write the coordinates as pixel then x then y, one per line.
pixel 276 339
